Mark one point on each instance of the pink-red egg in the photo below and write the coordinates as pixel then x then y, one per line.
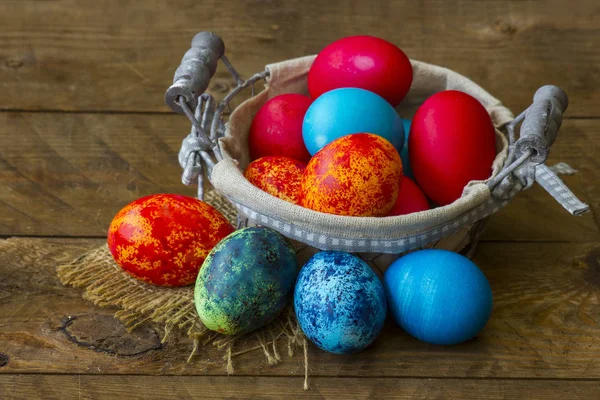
pixel 410 199
pixel 354 175
pixel 278 176
pixel 364 62
pixel 163 239
pixel 277 128
pixel 451 143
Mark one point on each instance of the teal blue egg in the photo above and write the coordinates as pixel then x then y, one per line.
pixel 406 169
pixel 438 296
pixel 346 111
pixel 245 281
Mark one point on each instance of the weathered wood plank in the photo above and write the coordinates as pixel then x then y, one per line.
pixel 545 324
pixel 70 55
pixel 68 174
pixel 110 387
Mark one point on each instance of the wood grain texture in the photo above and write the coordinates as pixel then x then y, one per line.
pixel 545 324
pixel 101 69
pixel 68 174
pixel 49 387
pixel 106 55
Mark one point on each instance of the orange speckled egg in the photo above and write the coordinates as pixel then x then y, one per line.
pixel 355 175
pixel 279 176
pixel 163 239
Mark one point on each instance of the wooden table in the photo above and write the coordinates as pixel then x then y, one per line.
pixel 84 130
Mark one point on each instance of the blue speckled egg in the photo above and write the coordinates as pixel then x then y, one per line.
pixel 406 169
pixel 340 302
pixel 438 296
pixel 345 111
pixel 245 281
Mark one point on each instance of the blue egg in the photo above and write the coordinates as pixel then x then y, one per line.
pixel 438 296
pixel 340 302
pixel 341 112
pixel 406 169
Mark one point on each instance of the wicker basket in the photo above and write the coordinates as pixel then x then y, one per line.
pixel 219 149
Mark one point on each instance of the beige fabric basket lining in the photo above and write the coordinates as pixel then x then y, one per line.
pixel 290 77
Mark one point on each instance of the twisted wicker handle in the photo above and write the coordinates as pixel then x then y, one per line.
pixel 197 66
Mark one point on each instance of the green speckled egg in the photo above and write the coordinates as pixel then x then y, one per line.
pixel 245 281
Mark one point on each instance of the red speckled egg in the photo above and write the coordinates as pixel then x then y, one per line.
pixel 354 175
pixel 279 176
pixel 410 199
pixel 364 62
pixel 163 239
pixel 451 143
pixel 277 128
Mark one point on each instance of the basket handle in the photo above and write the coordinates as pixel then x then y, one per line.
pixel 540 123
pixel 197 67
pixel 200 149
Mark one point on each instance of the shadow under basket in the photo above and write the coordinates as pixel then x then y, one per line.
pixel 218 149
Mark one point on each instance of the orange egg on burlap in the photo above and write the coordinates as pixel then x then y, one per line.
pixel 355 175
pixel 163 239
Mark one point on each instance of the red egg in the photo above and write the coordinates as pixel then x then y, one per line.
pixel 163 239
pixel 277 128
pixel 410 199
pixel 354 175
pixel 451 143
pixel 364 62
pixel 279 176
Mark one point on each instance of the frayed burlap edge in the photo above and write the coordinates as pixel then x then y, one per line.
pixel 106 284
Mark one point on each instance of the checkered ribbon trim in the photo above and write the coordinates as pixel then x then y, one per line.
pixel 548 179
pixel 522 179
pixel 557 189
pixel 391 245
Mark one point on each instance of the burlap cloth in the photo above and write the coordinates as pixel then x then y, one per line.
pixel 107 285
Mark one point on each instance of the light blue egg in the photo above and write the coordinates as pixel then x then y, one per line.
pixel 406 169
pixel 438 296
pixel 341 112
pixel 339 302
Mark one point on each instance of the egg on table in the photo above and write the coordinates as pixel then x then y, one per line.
pixel 279 176
pixel 452 142
pixel 339 302
pixel 364 62
pixel 356 175
pixel 341 112
pixel 163 239
pixel 245 281
pixel 438 296
pixel 276 129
